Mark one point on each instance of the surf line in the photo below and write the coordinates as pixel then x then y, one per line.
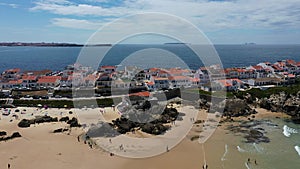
pixel 247 166
pixel 225 153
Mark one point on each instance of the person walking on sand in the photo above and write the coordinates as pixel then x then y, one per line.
pixel 8 166
pixel 255 162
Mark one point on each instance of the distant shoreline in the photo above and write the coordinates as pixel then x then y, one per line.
pixel 43 44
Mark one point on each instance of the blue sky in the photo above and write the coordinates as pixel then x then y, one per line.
pixel 223 22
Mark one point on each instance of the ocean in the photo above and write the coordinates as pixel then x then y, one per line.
pixel 56 58
pixel 283 151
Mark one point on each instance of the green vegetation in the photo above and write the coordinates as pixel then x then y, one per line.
pixel 206 93
pixel 69 103
pixel 291 90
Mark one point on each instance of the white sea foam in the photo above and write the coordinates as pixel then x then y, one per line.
pixel 240 149
pixel 287 131
pixel 226 151
pixel 258 148
pixel 246 164
pixel 297 148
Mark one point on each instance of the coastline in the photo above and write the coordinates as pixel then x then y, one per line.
pixel 63 150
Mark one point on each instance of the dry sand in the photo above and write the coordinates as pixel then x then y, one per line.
pixel 40 148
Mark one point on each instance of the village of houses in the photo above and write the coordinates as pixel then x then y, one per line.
pixel 153 79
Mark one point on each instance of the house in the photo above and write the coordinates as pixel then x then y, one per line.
pixel 29 81
pixel 48 81
pixel 160 82
pixel 104 80
pixel 150 86
pixel 107 69
pixel 228 84
pixel 202 74
pixel 11 74
pixel 12 84
pixel 265 81
pixel 179 81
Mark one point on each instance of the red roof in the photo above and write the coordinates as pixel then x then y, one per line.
pixel 16 70
pixel 291 76
pixel 48 79
pixel 195 79
pixel 178 78
pixel 257 67
pixel 160 78
pixel 291 62
pixel 277 67
pixel 225 83
pixel 141 94
pixel 15 81
pixel 108 67
pixel 150 83
pixel 153 69
pixel 29 78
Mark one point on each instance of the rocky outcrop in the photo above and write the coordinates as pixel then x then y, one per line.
pixel 73 122
pixel 282 102
pixel 3 133
pixel 14 135
pixel 157 126
pixel 24 123
pixel 237 107
pixel 60 130
pixel 252 131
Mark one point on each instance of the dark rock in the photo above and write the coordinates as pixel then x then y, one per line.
pixel 15 135
pixel 65 119
pixel 24 123
pixel 3 133
pixel 73 122
pixel 60 130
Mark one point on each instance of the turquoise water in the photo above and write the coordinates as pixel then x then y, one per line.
pixel 280 153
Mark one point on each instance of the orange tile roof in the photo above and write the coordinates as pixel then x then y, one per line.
pixel 13 70
pixel 29 78
pixel 150 83
pixel 160 78
pixel 15 81
pixel 141 94
pixel 48 79
pixel 257 67
pixel 108 67
pixel 178 78
pixel 291 62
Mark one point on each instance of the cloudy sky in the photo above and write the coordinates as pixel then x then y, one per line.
pixel 222 21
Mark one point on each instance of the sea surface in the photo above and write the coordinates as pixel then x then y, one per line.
pixel 56 58
pixel 283 151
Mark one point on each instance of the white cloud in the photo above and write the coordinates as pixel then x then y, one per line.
pixel 10 5
pixel 76 23
pixel 208 15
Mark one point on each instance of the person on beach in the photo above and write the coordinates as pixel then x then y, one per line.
pixel 110 141
pixel 255 162
pixel 8 166
pixel 167 149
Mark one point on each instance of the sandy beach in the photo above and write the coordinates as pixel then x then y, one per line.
pixel 39 147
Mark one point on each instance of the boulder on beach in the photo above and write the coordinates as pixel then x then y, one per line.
pixel 24 123
pixel 3 133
